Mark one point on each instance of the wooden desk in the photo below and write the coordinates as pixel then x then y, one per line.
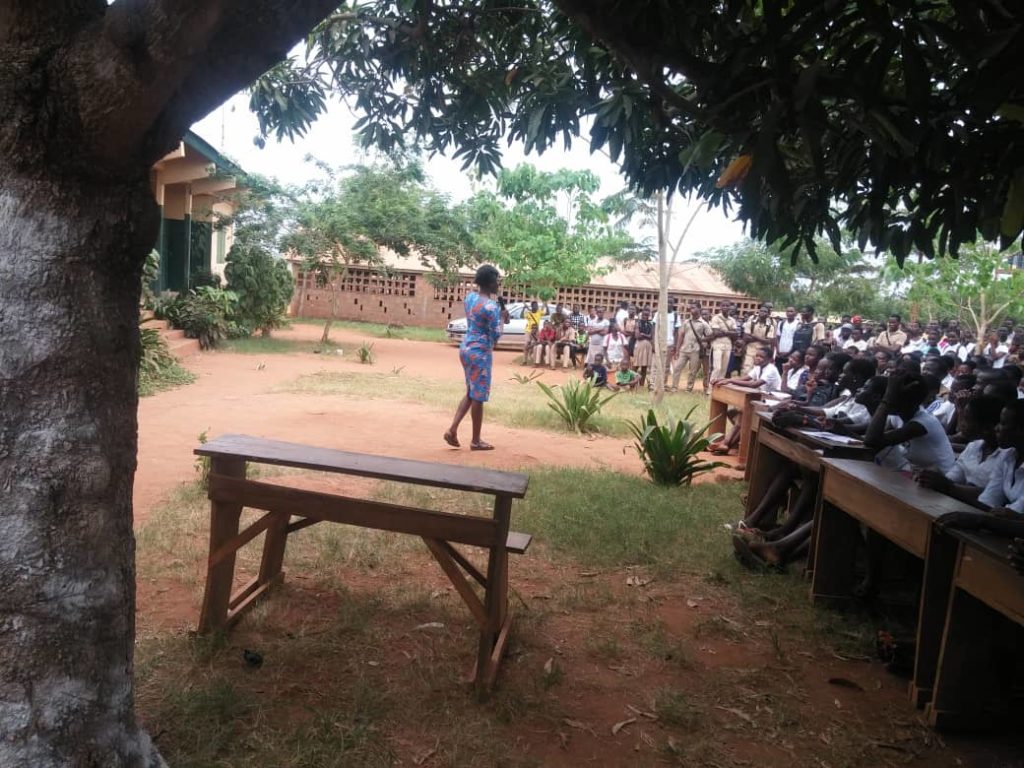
pixel 984 608
pixel 773 450
pixel 740 398
pixel 891 504
pixel 230 491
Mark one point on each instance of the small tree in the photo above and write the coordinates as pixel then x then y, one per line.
pixel 979 288
pixel 263 285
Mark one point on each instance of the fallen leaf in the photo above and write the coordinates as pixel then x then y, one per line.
pixel 692 604
pixel 549 666
pixel 738 712
pixel 637 581
pixel 373 663
pixel 437 593
pixel 635 711
pixel 421 759
pixel 430 625
pixel 839 704
pixel 619 726
pixel 578 725
pixel 842 682
pixel 589 574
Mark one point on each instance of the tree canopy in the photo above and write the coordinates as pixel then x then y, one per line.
pixel 899 122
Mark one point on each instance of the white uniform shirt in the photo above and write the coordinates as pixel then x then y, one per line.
pixel 973 467
pixel 786 330
pixel 1006 484
pixel 769 374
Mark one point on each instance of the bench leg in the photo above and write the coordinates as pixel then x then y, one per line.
pixel 939 566
pixel 224 520
pixel 837 538
pixel 273 548
pixel 494 633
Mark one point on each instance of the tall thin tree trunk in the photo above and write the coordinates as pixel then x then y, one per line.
pixel 660 353
pixel 71 255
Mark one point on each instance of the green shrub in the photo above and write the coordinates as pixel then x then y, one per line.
pixel 670 451
pixel 204 314
pixel 365 353
pixel 158 368
pixel 263 285
pixel 576 402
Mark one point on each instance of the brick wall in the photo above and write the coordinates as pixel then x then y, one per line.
pixel 411 298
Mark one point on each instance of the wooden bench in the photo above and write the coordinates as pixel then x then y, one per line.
pixel 230 491
pixel 973 599
pixel 740 398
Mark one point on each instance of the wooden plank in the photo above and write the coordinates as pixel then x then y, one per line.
pixel 298 525
pixel 232 545
pixel 790 449
pixel 274 545
pixel 984 572
pixel 496 596
pixel 476 531
pixel 936 584
pixel 429 473
pixel 899 522
pixel 467 566
pixel 517 542
pixel 250 598
pixel 458 581
pixel 224 517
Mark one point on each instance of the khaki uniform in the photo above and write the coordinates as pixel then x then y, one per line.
pixel 694 331
pixel 721 347
pixel 890 339
pixel 764 331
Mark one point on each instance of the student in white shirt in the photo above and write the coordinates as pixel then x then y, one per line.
pixel 975 465
pixel 764 376
pixel 926 443
pixel 997 349
pixel 785 330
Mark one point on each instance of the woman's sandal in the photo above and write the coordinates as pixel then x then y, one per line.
pixel 481 446
pixel 452 440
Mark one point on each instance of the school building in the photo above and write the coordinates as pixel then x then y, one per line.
pixel 406 292
pixel 190 185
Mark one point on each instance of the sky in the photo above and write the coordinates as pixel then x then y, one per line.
pixel 231 130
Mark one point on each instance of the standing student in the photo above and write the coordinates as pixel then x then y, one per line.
pixel 892 338
pixel 615 346
pixel 758 332
pixel 484 317
pixel 809 332
pixel 786 329
pixel 643 350
pixel 597 329
pixel 692 349
pixel 723 333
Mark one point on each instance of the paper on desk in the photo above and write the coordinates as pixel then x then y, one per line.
pixel 830 437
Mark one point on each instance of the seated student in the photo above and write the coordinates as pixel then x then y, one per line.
pixel 855 374
pixel 1003 496
pixel 883 359
pixel 595 372
pixel 791 541
pixel 565 346
pixel 1014 373
pixel 764 376
pixel 921 434
pixel 959 394
pixel 975 464
pixel 625 378
pixel 794 372
pixel 812 357
pixel 544 346
pixel 939 407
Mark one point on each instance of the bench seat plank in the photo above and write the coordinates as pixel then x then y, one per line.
pixel 264 451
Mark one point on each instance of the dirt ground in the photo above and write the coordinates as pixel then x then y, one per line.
pixel 866 720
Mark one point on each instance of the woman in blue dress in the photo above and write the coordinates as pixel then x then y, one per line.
pixel 484 318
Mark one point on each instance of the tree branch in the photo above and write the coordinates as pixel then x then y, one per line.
pixel 150 68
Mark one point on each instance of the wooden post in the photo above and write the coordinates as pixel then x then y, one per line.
pixel 837 538
pixel 273 548
pixel 939 566
pixel 224 519
pixel 495 600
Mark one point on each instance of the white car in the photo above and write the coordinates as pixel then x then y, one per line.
pixel 513 334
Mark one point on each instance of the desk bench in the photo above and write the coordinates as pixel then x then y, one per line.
pixel 741 398
pixel 978 599
pixel 230 491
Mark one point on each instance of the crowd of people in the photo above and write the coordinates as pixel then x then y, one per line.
pixel 928 399
pixel 721 345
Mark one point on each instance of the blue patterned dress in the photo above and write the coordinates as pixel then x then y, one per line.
pixel 483 327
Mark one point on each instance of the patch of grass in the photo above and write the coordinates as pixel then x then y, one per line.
pixel 657 642
pixel 170 375
pixel 677 709
pixel 608 519
pixel 511 404
pixel 274 345
pixel 381 330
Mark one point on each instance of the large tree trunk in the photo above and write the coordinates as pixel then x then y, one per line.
pixel 71 254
